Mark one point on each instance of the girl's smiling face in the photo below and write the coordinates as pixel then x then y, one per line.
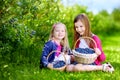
pixel 59 32
pixel 80 27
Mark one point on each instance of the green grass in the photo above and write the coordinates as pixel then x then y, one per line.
pixel 32 72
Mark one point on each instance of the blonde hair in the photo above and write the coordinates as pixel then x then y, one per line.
pixel 84 19
pixel 64 41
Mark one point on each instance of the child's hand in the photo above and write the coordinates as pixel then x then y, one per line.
pixel 97 51
pixel 72 58
pixel 50 66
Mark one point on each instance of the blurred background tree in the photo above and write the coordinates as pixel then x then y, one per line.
pixel 25 26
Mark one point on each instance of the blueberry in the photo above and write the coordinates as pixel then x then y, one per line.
pixel 85 50
pixel 58 64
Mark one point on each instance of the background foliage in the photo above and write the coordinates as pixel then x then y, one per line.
pixel 25 27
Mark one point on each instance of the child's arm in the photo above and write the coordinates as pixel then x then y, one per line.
pixel 45 52
pixel 97 51
pixel 102 56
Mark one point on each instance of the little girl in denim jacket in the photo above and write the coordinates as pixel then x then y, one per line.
pixel 58 41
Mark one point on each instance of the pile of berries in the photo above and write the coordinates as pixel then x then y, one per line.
pixel 58 64
pixel 85 50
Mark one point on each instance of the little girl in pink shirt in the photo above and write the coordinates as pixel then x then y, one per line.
pixel 82 29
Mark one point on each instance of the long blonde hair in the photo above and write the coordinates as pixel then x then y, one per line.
pixel 64 41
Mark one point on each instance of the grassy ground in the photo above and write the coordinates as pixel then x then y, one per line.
pixel 32 72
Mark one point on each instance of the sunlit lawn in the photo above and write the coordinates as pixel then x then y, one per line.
pixel 111 47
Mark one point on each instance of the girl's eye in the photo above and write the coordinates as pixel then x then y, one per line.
pixel 57 30
pixel 60 30
pixel 63 30
pixel 76 27
pixel 81 26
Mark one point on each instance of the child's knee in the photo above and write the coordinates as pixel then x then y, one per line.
pixel 70 68
pixel 78 67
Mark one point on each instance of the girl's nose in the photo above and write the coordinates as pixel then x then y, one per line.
pixel 79 29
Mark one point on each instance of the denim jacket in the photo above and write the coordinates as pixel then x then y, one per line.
pixel 48 47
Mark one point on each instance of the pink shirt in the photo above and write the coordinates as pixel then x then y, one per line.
pixel 59 47
pixel 101 57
